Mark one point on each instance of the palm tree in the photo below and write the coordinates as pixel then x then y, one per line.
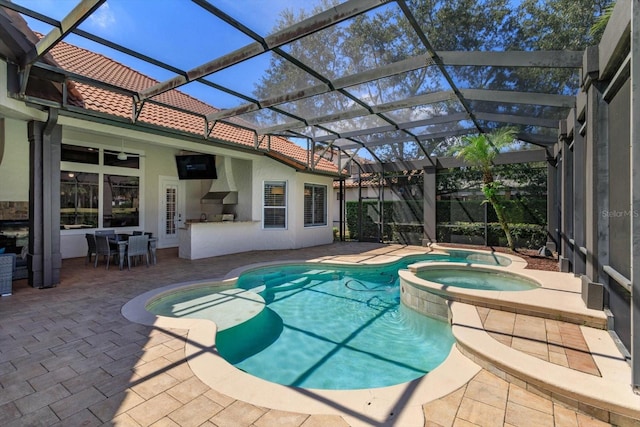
pixel 601 22
pixel 480 152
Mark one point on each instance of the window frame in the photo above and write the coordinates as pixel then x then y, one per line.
pixel 101 170
pixel 284 207
pixel 314 222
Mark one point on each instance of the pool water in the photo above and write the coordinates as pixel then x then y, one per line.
pixel 333 328
pixel 484 280
pixel 327 326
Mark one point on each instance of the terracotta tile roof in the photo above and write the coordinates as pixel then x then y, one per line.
pixel 99 67
pixel 368 180
pixel 372 180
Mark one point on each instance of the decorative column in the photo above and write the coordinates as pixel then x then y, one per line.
pixel 579 245
pixel 553 206
pixel 44 202
pixel 566 201
pixel 429 210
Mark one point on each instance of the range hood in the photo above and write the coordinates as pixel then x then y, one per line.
pixel 223 189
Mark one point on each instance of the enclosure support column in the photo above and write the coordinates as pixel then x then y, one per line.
pixel 552 205
pixel 596 177
pixel 342 204
pixel 360 213
pixel 381 185
pixel 566 226
pixel 579 248
pixel 44 202
pixel 635 193
pixel 429 211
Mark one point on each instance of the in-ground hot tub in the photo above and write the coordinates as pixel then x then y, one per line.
pixel 428 287
pixel 477 279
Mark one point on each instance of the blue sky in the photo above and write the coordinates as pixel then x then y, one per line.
pixel 176 32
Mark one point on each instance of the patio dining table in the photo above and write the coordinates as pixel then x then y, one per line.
pixel 121 240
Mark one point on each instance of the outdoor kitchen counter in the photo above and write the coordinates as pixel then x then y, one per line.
pixel 207 239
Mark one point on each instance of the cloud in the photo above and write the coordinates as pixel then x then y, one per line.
pixel 103 17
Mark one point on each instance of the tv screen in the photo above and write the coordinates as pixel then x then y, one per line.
pixel 196 166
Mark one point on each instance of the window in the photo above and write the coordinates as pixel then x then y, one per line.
pixel 120 198
pixel 275 205
pixel 97 191
pixel 73 153
pixel 315 205
pixel 78 199
pixel 131 161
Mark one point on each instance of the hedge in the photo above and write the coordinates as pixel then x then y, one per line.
pixel 403 222
pixel 523 211
pixel 524 235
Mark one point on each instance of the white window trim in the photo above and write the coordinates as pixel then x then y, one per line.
pixel 326 205
pixel 285 207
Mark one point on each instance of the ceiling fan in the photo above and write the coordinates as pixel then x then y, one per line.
pixel 122 155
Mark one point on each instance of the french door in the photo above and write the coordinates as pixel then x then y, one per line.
pixel 171 211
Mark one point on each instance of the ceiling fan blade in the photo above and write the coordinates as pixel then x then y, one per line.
pixel 118 153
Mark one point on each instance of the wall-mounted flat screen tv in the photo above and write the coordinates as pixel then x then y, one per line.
pixel 196 166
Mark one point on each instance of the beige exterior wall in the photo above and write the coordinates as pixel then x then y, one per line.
pixel 14 161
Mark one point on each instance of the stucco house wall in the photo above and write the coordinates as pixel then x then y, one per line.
pixel 250 172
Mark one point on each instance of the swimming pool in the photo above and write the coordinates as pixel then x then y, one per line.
pixel 334 327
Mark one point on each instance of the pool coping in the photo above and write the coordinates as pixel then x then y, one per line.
pixel 516 263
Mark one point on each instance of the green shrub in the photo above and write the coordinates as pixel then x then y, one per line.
pixel 517 211
pixel 370 220
pixel 524 235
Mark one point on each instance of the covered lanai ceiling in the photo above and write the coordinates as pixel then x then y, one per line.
pixel 403 107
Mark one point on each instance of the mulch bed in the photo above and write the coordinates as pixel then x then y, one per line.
pixel 534 260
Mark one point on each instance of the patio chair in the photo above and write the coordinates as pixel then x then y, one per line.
pixel 7 267
pixel 137 246
pixel 104 248
pixel 91 247
pixel 109 233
